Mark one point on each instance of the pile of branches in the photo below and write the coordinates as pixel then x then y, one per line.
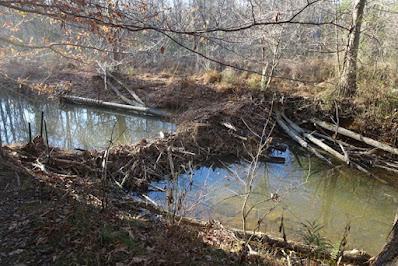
pixel 364 155
pixel 212 134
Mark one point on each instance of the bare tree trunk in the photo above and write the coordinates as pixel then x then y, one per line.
pixel 389 254
pixel 348 80
pixel 116 50
pixel 264 78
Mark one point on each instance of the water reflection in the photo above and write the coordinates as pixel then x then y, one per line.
pixel 308 192
pixel 72 127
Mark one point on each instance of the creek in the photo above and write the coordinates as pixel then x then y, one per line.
pixel 307 190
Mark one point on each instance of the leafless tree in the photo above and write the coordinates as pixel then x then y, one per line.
pixel 348 80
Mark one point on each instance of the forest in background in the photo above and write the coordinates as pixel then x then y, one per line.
pixel 298 41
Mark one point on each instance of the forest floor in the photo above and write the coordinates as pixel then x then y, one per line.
pixel 59 220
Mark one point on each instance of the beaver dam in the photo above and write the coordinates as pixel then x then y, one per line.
pixel 207 159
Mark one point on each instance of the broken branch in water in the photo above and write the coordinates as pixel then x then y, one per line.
pixel 295 136
pixel 356 136
pixel 358 157
pixel 120 95
pixel 132 93
pixel 316 141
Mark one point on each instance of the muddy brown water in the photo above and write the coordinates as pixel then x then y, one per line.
pixel 308 191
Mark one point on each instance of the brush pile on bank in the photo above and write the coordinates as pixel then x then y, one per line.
pixel 216 131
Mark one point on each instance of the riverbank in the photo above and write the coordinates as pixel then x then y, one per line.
pixel 213 121
pixel 203 105
pixel 54 218
pixel 372 115
pixel 58 219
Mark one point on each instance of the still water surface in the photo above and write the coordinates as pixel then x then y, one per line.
pixel 71 127
pixel 307 189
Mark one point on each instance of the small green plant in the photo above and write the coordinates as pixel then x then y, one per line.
pixel 106 235
pixel 312 236
pixel 338 249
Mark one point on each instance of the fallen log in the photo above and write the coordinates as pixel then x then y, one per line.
pixel 352 256
pixel 294 130
pixel 121 96
pixel 344 158
pixel 295 136
pixel 356 136
pixel 117 106
pixel 132 93
pixel 317 142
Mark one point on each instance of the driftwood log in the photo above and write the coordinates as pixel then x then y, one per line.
pixel 117 106
pixel 317 142
pixel 325 147
pixel 130 91
pixel 120 95
pixel 296 137
pixel 352 256
pixel 356 136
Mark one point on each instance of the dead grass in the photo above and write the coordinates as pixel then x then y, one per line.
pixel 254 82
pixel 211 77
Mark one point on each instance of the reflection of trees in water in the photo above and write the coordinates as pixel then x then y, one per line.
pixel 13 126
pixel 8 110
pixel 346 196
pixel 73 127
pixel 332 198
pixel 329 188
pixel 4 120
pixel 122 134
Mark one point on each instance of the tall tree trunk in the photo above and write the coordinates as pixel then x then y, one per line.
pixel 389 255
pixel 116 50
pixel 348 80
